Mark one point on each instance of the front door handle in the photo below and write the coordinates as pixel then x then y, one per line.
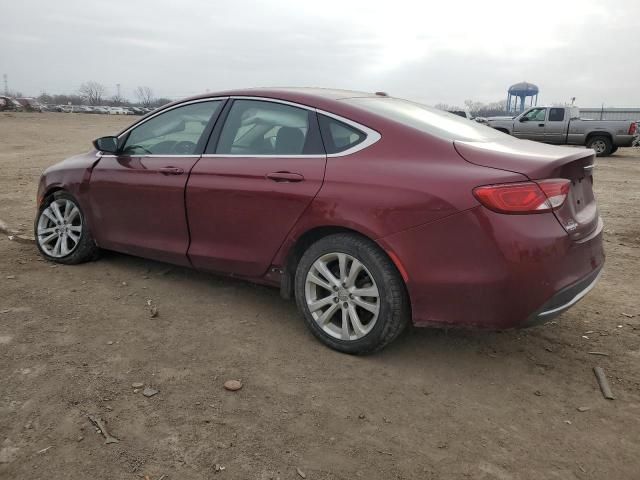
pixel 171 171
pixel 541 124
pixel 285 177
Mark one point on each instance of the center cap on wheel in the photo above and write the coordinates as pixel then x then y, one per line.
pixel 343 295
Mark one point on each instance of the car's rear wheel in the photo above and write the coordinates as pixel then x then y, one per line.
pixel 61 232
pixel 351 295
pixel 601 144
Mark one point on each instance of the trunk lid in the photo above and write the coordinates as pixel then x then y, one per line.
pixel 578 215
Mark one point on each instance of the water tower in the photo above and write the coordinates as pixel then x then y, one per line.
pixel 521 91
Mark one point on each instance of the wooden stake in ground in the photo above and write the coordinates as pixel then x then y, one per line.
pixel 604 384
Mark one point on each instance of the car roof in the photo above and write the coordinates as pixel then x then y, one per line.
pixel 294 94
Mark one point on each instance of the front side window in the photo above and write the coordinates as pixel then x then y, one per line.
pixel 536 115
pixel 175 132
pixel 338 136
pixel 556 114
pixel 255 127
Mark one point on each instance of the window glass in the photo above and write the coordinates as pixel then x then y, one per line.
pixel 338 136
pixel 536 115
pixel 430 120
pixel 556 114
pixel 175 132
pixel 254 127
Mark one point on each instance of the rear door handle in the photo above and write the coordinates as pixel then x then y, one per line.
pixel 171 171
pixel 283 177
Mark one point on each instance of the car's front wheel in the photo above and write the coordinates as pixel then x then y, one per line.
pixel 61 232
pixel 351 295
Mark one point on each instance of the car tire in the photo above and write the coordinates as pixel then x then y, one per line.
pixel 372 322
pixel 601 144
pixel 70 229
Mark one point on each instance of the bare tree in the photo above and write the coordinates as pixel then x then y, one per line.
pixel 446 107
pixel 92 92
pixel 117 100
pixel 144 95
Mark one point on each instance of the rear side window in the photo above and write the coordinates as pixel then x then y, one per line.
pixel 556 114
pixel 255 127
pixel 338 136
pixel 429 120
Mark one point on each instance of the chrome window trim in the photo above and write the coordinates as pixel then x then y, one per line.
pixel 371 135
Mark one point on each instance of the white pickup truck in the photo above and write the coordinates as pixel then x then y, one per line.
pixel 563 126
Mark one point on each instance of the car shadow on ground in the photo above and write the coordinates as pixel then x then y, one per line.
pixel 412 344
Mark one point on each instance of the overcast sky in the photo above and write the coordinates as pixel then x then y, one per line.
pixel 444 51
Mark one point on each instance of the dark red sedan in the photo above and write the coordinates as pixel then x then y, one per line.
pixel 371 211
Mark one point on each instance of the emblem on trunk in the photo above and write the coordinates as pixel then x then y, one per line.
pixel 570 225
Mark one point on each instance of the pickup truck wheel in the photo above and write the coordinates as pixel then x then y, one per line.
pixel 601 144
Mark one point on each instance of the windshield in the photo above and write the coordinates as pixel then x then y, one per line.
pixel 430 120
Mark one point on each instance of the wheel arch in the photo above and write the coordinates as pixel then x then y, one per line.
pixel 308 238
pixel 599 133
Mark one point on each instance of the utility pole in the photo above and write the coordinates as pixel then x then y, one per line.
pixel 118 89
pixel 6 84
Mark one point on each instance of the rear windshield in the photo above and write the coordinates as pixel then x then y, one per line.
pixel 430 120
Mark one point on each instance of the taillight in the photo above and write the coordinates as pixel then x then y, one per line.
pixel 633 128
pixel 524 197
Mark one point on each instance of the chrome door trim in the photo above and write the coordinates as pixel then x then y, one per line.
pixel 152 155
pixel 227 155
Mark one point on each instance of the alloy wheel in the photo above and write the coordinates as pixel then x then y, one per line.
pixel 342 296
pixel 59 228
pixel 599 146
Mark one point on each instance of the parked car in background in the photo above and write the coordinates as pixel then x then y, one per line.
pixel 30 104
pixel 562 126
pixel 10 104
pixel 117 111
pixel 371 211
pixel 462 113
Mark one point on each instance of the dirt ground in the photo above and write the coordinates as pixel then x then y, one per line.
pixel 433 405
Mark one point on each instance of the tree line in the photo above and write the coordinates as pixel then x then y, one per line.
pixel 95 93
pixel 478 109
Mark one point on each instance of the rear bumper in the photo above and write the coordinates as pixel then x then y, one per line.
pixel 486 270
pixel 623 140
pixel 564 299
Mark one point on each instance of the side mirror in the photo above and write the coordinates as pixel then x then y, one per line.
pixel 524 119
pixel 106 144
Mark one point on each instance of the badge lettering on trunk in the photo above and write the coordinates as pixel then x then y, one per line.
pixel 570 225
